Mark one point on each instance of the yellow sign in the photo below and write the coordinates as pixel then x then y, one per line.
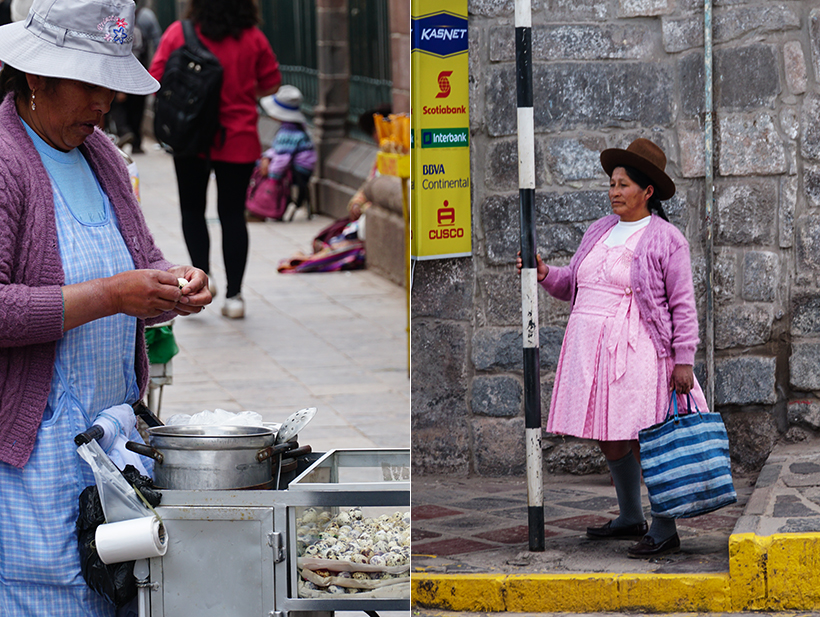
pixel 441 208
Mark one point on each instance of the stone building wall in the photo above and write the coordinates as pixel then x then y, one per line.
pixel 605 73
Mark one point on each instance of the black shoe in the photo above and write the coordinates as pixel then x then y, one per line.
pixel 647 547
pixel 608 532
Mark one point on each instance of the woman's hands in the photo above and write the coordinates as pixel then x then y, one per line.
pixel 138 293
pixel 541 267
pixel 195 295
pixel 683 378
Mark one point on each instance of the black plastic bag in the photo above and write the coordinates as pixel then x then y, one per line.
pixel 114 581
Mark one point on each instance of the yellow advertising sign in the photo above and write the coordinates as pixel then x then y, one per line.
pixel 441 219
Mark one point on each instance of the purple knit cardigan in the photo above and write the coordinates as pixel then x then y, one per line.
pixel 661 276
pixel 31 274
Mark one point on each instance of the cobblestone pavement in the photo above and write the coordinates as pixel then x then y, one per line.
pixel 480 525
pixel 471 546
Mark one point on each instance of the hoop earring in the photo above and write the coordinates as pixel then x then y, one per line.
pixel 33 104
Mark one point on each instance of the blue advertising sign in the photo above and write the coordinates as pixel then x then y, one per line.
pixel 441 34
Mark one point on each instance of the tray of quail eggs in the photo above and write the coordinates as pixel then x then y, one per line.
pixel 350 553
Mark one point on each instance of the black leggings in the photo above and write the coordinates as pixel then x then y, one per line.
pixel 232 180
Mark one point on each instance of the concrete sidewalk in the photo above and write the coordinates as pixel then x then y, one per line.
pixel 471 553
pixel 335 341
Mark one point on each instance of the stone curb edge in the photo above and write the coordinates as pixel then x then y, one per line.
pixel 777 572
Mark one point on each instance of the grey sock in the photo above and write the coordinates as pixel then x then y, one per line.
pixel 662 529
pixel 626 475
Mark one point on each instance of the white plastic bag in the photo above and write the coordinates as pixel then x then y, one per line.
pixel 217 417
pixel 120 501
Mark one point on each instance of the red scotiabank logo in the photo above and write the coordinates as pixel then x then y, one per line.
pixel 446 216
pixel 444 84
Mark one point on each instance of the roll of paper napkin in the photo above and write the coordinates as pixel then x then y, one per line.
pixel 138 538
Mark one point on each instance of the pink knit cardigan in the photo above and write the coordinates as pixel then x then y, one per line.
pixel 661 276
pixel 31 274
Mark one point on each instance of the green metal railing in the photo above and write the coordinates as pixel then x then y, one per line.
pixel 290 26
pixel 370 75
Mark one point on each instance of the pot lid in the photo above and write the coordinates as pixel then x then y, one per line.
pixel 204 430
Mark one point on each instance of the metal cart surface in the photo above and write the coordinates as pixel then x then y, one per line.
pixel 233 553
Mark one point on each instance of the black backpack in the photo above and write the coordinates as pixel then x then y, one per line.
pixel 186 116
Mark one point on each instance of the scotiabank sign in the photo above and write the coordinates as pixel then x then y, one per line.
pixel 444 109
pixel 441 211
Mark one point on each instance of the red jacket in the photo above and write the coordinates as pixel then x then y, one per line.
pixel 249 66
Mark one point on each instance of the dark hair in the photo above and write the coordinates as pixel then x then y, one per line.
pixel 642 180
pixel 366 123
pixel 219 19
pixel 14 80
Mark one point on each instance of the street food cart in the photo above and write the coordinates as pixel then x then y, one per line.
pixel 297 550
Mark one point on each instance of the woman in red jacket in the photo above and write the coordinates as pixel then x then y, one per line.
pixel 228 28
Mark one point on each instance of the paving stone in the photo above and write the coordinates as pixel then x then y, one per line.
pixel 790 506
pixel 417 535
pixel 512 535
pixel 470 522
pixel 486 504
pixel 596 504
pixel 452 546
pixel 427 512
pixel 580 523
pixel 708 522
pixel 804 468
pixel 801 525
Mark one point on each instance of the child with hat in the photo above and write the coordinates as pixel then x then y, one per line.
pixel 292 149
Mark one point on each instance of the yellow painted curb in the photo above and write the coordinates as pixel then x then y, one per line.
pixel 581 593
pixel 778 572
pixel 747 570
pixel 459 592
pixel 573 593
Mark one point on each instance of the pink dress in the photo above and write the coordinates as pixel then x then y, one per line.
pixel 610 383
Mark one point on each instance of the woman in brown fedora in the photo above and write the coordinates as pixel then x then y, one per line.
pixel 631 335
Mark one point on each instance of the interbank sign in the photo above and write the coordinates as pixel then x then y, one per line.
pixel 444 138
pixel 441 34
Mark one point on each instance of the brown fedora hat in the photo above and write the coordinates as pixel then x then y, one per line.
pixel 646 157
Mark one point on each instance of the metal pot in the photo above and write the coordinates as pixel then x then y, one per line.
pixel 210 457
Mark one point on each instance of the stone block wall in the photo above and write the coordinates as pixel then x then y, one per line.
pixel 604 73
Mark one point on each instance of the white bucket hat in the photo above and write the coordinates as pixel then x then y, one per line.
pixel 284 105
pixel 86 40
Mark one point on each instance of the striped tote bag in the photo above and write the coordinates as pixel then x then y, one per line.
pixel 685 462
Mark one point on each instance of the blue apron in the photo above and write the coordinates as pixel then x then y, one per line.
pixel 94 370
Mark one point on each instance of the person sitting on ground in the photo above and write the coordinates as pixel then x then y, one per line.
pixel 353 224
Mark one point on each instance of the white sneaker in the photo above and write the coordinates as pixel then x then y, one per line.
pixel 234 308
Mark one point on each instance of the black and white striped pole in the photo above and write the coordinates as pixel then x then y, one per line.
pixel 529 273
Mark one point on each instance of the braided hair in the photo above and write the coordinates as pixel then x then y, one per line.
pixel 643 181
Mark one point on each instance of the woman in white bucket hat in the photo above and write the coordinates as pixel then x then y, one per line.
pixel 80 276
